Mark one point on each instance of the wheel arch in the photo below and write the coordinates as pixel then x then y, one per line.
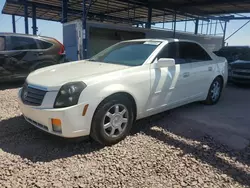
pixel 117 94
pixel 221 77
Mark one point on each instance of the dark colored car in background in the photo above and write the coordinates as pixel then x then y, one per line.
pixel 238 58
pixel 21 54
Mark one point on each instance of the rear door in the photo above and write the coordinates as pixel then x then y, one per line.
pixel 202 68
pixel 23 53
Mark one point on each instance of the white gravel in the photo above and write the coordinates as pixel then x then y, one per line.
pixel 150 157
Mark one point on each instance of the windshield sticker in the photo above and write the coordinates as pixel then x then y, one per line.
pixel 152 42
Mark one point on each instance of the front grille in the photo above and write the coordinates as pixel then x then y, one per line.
pixel 242 73
pixel 241 79
pixel 36 124
pixel 32 96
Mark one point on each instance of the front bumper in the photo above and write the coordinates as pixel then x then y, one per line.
pixel 73 123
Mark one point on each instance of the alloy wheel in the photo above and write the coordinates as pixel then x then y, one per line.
pixel 115 120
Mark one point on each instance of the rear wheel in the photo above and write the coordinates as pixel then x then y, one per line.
pixel 214 92
pixel 112 120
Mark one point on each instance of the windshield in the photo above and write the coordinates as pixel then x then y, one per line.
pixel 127 53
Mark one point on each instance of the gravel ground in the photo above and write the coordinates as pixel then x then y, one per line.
pixel 152 156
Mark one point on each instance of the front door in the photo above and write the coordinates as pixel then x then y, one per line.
pixel 169 86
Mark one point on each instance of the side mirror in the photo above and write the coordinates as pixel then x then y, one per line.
pixel 164 62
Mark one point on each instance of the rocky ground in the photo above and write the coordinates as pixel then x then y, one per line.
pixel 152 156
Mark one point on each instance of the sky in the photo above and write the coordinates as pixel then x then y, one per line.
pixel 54 29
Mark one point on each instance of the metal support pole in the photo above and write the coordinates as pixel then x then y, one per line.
pixel 211 26
pixel 64 11
pixel 196 26
pixel 14 23
pixel 174 24
pixel 26 22
pixel 215 30
pixel 148 25
pixel 34 27
pixel 202 27
pixel 164 20
pixel 224 33
pixel 84 29
pixel 207 27
pixel 185 25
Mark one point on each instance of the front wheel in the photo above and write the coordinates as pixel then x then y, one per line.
pixel 214 92
pixel 112 120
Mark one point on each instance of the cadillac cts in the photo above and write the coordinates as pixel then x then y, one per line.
pixel 104 95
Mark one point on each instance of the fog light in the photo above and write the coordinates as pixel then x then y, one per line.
pixel 56 125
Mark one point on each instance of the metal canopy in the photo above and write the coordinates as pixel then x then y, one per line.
pixel 129 11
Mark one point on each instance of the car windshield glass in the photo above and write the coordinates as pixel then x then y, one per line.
pixel 127 53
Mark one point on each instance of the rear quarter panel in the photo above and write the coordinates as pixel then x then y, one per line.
pixel 221 68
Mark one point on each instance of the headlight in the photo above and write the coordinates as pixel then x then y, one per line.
pixel 68 94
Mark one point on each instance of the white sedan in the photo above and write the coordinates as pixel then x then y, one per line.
pixel 104 95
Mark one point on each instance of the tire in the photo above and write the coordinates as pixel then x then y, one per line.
pixel 115 130
pixel 216 86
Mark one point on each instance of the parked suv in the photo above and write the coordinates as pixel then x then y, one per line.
pixel 238 58
pixel 21 54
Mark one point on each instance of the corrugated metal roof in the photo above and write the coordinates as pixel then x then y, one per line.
pixel 129 11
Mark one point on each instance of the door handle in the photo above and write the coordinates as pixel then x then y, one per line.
pixel 210 68
pixel 39 53
pixel 186 74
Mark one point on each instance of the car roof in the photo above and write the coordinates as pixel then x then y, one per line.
pixel 23 35
pixel 160 40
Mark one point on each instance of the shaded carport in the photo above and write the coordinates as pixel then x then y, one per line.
pixel 133 12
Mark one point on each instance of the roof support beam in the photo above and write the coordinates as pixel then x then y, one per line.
pixel 210 2
pixel 148 25
pixel 121 10
pixel 64 11
pixel 237 30
pixel 76 12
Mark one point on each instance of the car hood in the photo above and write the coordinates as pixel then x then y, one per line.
pixel 55 76
pixel 240 64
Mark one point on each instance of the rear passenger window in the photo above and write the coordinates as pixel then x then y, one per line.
pixel 2 43
pixel 23 43
pixel 43 44
pixel 171 51
pixel 192 52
